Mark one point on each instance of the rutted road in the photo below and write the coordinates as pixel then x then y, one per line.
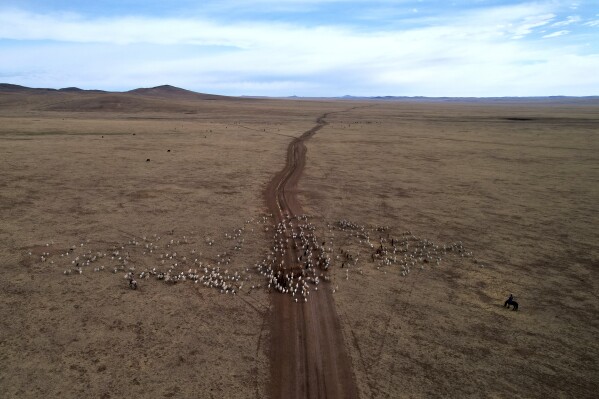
pixel 308 355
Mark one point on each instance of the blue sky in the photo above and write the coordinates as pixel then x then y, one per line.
pixel 305 47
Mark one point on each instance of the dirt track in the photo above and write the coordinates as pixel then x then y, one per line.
pixel 308 355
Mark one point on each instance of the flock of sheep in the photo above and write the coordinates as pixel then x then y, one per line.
pixel 296 264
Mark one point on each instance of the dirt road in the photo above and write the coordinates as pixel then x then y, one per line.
pixel 308 355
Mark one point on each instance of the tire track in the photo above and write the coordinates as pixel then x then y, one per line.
pixel 308 354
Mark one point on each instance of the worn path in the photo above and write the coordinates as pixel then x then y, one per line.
pixel 308 355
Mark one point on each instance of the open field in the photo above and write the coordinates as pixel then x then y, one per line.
pixel 521 195
pixel 516 184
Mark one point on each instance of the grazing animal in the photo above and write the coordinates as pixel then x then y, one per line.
pixel 510 301
pixel 132 283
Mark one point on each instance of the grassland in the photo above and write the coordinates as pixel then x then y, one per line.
pixel 515 183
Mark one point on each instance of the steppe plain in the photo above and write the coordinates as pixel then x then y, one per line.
pixel 516 182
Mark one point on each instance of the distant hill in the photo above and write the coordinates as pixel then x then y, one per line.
pixel 71 89
pixel 10 88
pixel 168 91
pixel 73 99
pixel 164 91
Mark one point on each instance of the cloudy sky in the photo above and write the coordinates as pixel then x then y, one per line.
pixel 305 47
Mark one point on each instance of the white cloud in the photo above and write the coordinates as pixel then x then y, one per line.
pixel 515 20
pixel 556 34
pixel 529 23
pixel 468 55
pixel 568 21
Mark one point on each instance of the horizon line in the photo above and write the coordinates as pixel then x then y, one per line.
pixel 291 96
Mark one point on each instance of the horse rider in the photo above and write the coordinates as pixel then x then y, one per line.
pixel 509 300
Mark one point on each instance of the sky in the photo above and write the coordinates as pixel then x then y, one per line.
pixel 476 48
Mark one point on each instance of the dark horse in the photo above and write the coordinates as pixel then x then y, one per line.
pixel 510 301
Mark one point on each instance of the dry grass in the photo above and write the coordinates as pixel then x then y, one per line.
pixel 521 194
pixel 72 178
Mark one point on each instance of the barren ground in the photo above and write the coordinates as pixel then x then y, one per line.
pixel 515 183
pixel 521 195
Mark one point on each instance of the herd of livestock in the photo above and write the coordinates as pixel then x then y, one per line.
pixel 297 263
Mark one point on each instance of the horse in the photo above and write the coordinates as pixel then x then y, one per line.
pixel 510 301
